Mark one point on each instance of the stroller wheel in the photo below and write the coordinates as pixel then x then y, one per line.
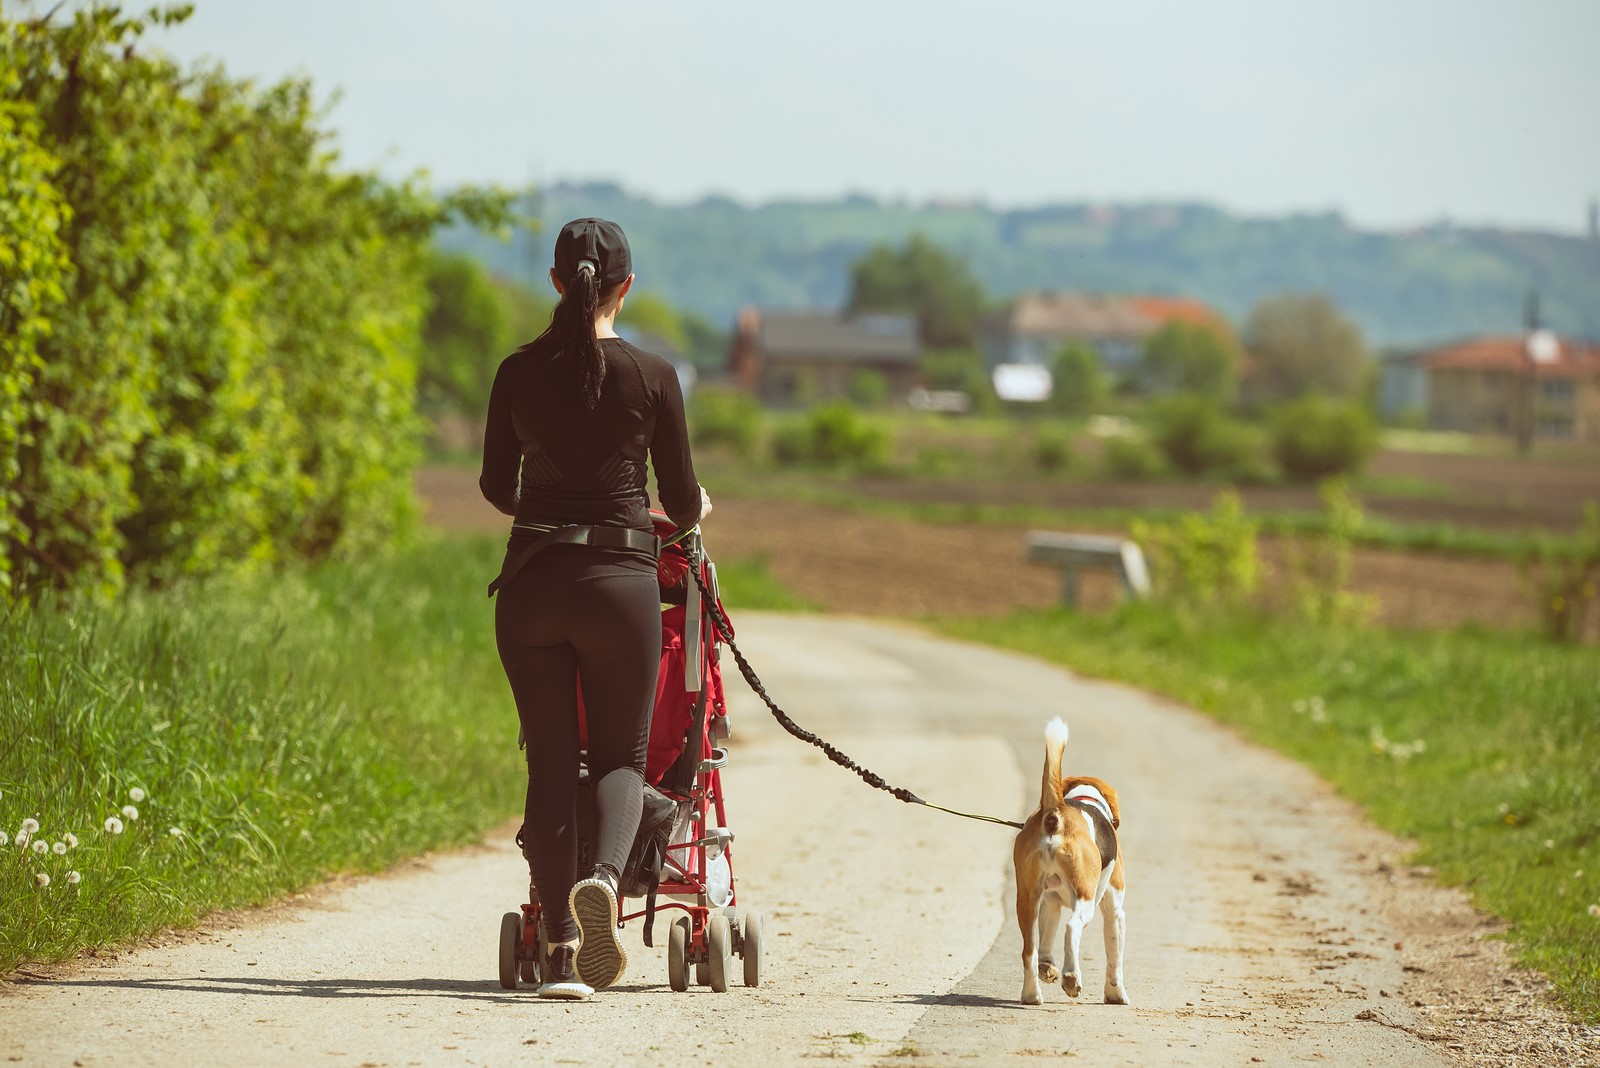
pixel 678 954
pixel 510 941
pixel 532 954
pixel 719 948
pixel 751 951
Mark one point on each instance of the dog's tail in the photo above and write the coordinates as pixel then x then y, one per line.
pixel 1055 743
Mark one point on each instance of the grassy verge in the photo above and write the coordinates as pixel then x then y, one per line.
pixel 1482 747
pixel 280 729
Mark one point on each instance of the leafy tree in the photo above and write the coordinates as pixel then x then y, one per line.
pixel 960 369
pixel 869 389
pixel 1189 358
pixel 527 311
pixel 1317 437
pixel 229 376
pixel 1080 383
pixel 1300 343
pixel 707 345
pixel 465 336
pixel 1196 437
pixel 923 279
pixel 647 313
pixel 36 269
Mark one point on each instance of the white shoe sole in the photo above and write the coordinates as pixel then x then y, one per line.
pixel 601 959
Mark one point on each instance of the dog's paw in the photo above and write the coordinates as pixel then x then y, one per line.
pixel 1115 995
pixel 1071 985
pixel 1048 972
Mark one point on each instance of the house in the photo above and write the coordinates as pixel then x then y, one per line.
pixel 1032 329
pixel 797 357
pixel 1490 385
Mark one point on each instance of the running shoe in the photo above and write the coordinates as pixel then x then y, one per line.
pixel 601 958
pixel 560 978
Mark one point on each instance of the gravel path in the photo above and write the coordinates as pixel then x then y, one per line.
pixel 1267 921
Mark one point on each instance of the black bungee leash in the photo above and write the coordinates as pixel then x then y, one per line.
pixel 872 779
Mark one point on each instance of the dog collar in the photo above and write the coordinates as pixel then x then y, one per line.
pixel 1089 795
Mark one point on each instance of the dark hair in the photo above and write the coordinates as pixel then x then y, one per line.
pixel 570 336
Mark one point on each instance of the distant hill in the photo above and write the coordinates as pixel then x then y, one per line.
pixel 1403 288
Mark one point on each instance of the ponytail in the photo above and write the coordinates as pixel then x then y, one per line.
pixel 571 334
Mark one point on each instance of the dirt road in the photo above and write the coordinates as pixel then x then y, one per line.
pixel 1267 921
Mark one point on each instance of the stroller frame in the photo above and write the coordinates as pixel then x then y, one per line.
pixel 704 935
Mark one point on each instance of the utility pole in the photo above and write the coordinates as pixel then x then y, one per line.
pixel 1527 399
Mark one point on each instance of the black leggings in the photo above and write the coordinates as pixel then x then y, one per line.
pixel 580 612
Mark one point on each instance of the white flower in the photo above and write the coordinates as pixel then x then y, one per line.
pixel 71 840
pixel 130 813
pixel 5 839
pixel 42 879
pixel 1549 843
pixel 136 795
pixel 30 825
pixel 1594 910
pixel 176 832
pixel 41 848
pixel 73 878
pixel 113 825
pixel 22 839
pixel 59 849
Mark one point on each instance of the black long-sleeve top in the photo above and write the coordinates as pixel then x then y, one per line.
pixel 547 459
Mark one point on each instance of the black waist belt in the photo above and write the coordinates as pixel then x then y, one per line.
pixel 600 537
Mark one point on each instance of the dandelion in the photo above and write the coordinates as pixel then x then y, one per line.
pixel 1594 910
pixel 5 839
pixel 59 849
pixel 22 839
pixel 30 825
pixel 136 795
pixel 42 879
pixel 176 832
pixel 71 840
pixel 73 878
pixel 130 813
pixel 1549 843
pixel 1504 808
pixel 113 825
pixel 41 848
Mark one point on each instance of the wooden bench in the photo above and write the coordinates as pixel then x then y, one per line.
pixel 1073 553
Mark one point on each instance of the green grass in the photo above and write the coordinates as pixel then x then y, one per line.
pixel 748 585
pixel 290 726
pixel 1502 795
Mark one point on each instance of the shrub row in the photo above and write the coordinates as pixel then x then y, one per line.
pixel 207 333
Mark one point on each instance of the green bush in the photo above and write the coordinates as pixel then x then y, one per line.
pixel 229 376
pixel 1565 579
pixel 1317 437
pixel 1197 438
pixel 832 435
pixel 1132 458
pixel 1079 382
pixel 1052 450
pixel 725 417
pixel 869 389
pixel 1205 560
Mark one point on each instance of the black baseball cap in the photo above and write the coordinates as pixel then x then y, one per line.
pixel 599 240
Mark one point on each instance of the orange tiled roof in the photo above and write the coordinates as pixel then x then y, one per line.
pixel 1177 309
pixel 1504 352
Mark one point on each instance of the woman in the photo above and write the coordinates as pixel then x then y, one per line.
pixel 572 417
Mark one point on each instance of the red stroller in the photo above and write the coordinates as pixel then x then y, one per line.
pixel 684 849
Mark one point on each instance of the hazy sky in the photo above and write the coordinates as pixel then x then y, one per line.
pixel 1397 112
